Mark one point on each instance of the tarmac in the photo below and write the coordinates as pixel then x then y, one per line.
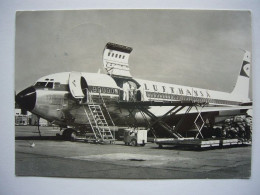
pixel 49 156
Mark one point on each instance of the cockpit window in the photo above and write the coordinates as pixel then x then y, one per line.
pixel 49 85
pixel 44 84
pixel 40 84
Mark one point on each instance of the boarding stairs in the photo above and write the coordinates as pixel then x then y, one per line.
pixel 98 123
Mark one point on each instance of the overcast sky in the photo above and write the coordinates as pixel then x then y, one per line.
pixel 194 48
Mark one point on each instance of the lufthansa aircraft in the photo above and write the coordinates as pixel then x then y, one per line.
pixel 93 102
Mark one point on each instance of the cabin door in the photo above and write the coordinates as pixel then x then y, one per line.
pixel 75 85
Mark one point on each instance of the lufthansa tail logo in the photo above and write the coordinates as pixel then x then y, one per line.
pixel 245 70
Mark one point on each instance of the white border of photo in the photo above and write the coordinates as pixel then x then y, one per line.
pixel 10 184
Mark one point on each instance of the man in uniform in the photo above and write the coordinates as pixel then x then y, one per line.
pixel 126 90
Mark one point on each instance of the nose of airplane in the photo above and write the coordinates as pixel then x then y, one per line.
pixel 26 98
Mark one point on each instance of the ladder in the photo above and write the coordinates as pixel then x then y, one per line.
pixel 105 107
pixel 98 122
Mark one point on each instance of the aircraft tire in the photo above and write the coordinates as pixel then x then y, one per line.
pixel 73 136
pixel 133 142
pixel 65 133
pixel 69 134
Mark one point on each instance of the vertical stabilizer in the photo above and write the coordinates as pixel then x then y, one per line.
pixel 241 90
pixel 115 60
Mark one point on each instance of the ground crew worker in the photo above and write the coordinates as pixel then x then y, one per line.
pixel 233 132
pixel 131 93
pixel 226 128
pixel 248 130
pixel 240 126
pixel 126 90
pixel 223 132
pixel 241 130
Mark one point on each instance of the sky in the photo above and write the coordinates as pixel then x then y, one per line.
pixel 195 48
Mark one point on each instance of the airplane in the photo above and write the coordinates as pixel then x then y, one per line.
pixel 84 102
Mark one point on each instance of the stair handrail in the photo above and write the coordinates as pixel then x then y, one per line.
pixel 105 106
pixel 90 122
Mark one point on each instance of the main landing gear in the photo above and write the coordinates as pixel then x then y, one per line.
pixel 69 134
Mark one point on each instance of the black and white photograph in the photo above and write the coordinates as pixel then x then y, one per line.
pixel 133 94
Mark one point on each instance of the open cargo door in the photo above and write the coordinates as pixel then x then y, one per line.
pixel 115 60
pixel 75 85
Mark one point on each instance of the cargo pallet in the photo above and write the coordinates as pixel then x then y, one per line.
pixel 200 143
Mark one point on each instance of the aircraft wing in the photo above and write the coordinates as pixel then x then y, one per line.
pixel 161 110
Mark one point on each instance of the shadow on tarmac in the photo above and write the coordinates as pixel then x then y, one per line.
pixel 183 148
